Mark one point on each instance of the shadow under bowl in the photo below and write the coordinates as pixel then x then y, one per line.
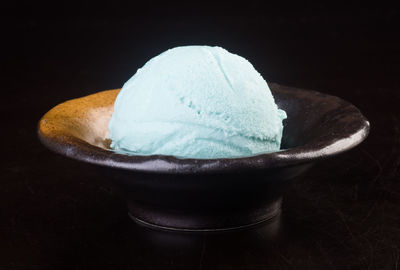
pixel 207 194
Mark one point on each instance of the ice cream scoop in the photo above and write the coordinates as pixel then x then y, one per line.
pixel 196 102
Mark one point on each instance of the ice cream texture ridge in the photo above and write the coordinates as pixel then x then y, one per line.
pixel 196 102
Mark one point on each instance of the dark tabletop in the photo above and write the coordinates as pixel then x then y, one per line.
pixel 57 213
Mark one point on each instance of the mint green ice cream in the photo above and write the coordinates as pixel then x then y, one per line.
pixel 196 102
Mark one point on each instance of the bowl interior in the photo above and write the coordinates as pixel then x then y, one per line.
pixel 317 125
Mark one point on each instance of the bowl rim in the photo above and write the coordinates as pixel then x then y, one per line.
pixel 317 149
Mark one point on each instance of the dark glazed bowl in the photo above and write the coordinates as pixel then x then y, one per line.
pixel 207 194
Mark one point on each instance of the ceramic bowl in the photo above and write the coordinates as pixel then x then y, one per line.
pixel 207 194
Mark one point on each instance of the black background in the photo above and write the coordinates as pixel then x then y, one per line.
pixel 56 213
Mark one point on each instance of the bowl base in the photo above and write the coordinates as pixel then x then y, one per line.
pixel 204 223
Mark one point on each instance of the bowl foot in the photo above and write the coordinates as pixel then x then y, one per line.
pixel 163 219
